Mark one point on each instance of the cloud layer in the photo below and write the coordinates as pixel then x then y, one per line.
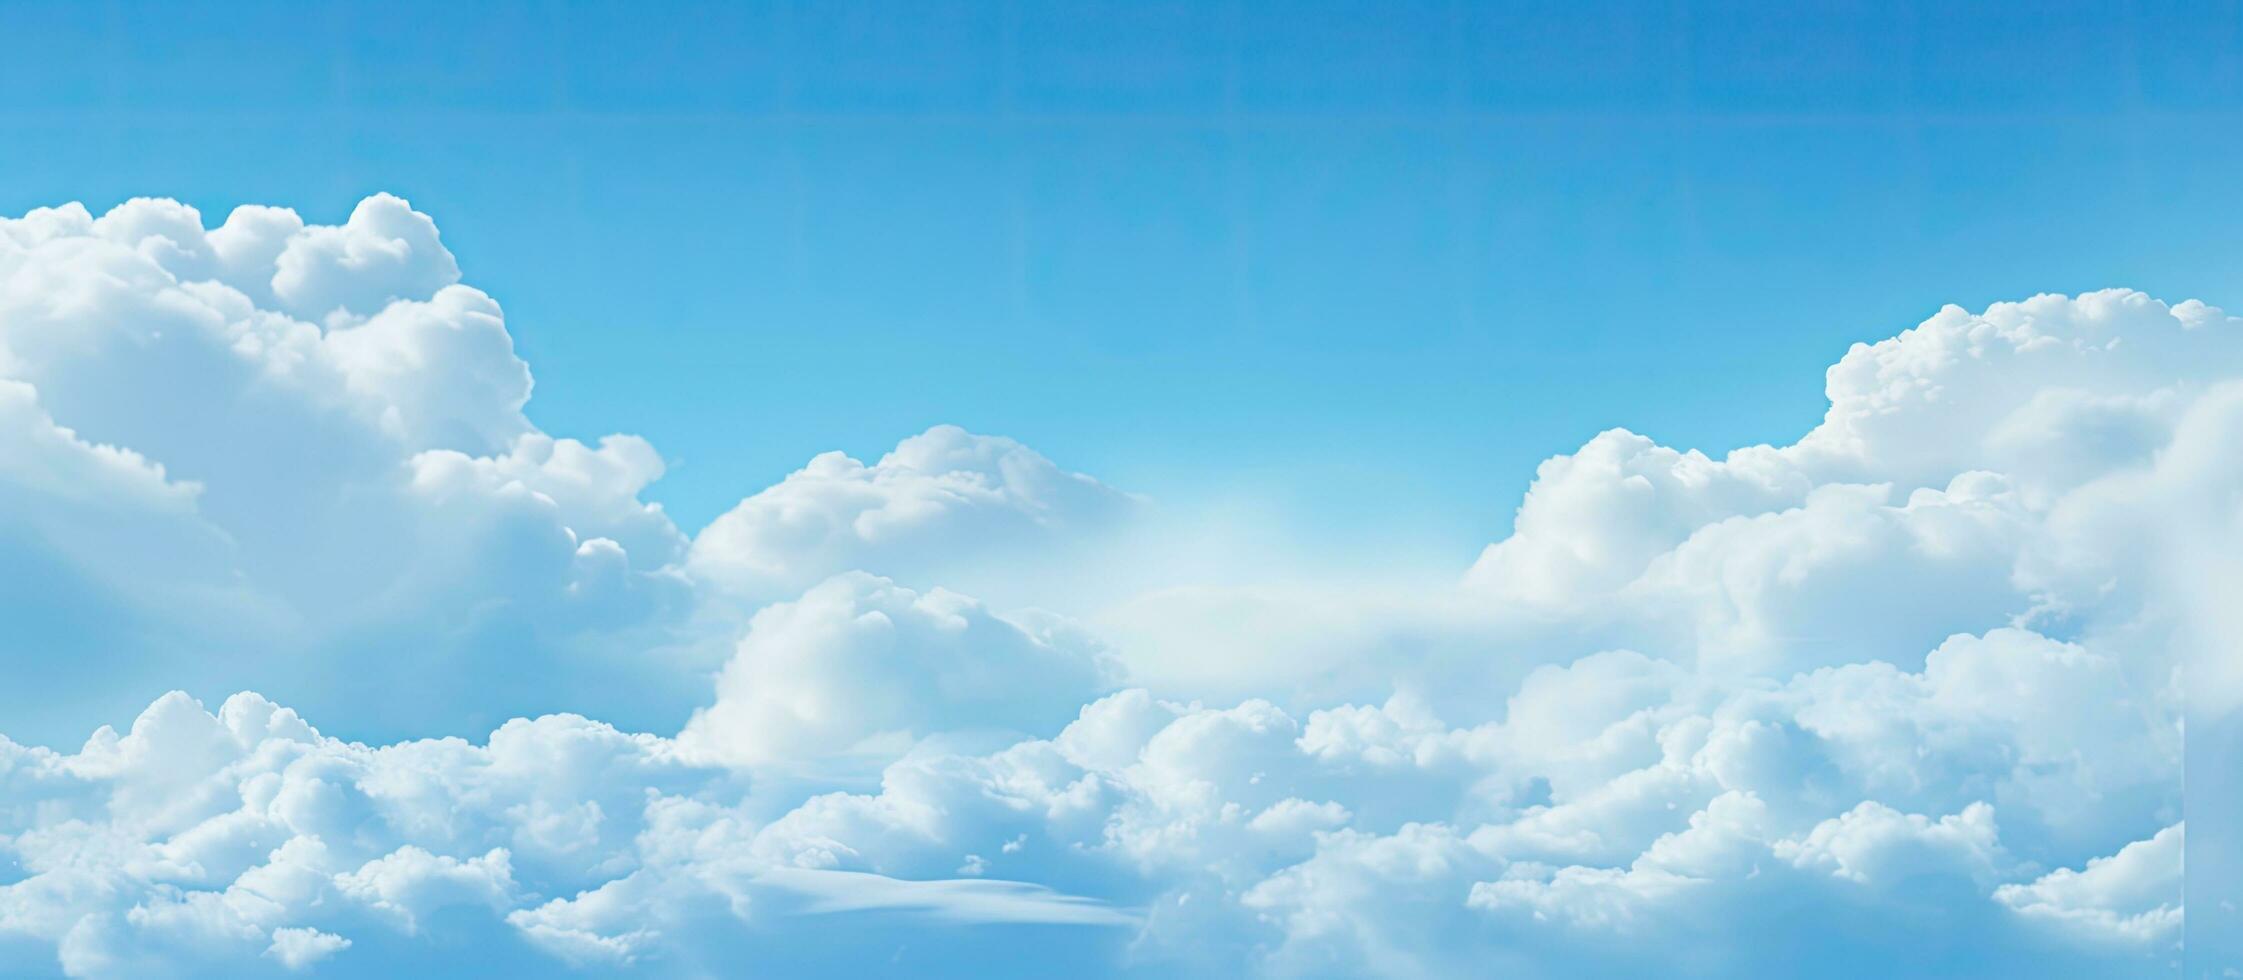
pixel 1904 697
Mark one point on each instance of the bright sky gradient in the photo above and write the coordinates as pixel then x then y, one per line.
pixel 1321 254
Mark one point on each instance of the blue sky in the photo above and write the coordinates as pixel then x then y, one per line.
pixel 1322 254
pixel 1128 489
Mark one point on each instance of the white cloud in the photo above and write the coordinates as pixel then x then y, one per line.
pixel 297 948
pixel 386 252
pixel 443 371
pixel 1594 519
pixel 1948 454
pixel 196 840
pixel 944 503
pixel 1918 408
pixel 410 883
pixel 1690 712
pixel 248 452
pixel 860 666
pixel 1872 844
pixel 2133 896
pixel 1720 841
pixel 595 488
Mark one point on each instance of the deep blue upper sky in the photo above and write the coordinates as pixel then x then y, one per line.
pixel 1327 256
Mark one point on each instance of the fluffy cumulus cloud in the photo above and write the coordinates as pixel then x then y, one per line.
pixel 1912 695
pixel 858 664
pixel 940 506
pixel 252 450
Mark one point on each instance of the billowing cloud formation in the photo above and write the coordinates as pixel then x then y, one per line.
pixel 2127 897
pixel 302 442
pixel 859 660
pixel 1904 697
pixel 242 455
pixel 911 515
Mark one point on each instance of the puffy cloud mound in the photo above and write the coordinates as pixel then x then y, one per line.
pixel 858 661
pixel 1954 451
pixel 241 454
pixel 943 500
pixel 1903 697
pixel 249 451
pixel 2131 896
